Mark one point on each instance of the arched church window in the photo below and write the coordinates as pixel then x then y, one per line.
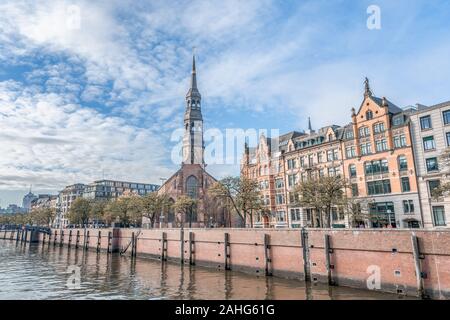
pixel 191 187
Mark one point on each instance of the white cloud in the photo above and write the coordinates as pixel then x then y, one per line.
pixel 130 61
pixel 49 143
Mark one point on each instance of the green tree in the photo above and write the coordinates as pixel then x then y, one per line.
pixel 42 216
pixel 185 205
pixel 241 194
pixel 97 210
pixel 79 212
pixel 153 205
pixel 126 209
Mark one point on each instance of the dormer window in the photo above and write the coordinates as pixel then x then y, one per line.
pixel 330 137
pixel 369 115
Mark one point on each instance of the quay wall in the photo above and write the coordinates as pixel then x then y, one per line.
pixel 408 262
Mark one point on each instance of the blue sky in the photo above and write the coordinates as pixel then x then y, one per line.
pixel 103 96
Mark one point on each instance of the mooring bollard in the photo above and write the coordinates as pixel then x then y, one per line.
pixel 191 248
pixel 99 239
pixel 227 252
pixel 267 256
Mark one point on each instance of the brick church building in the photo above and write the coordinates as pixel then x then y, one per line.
pixel 192 179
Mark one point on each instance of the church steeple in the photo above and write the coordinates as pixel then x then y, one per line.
pixel 193 90
pixel 193 148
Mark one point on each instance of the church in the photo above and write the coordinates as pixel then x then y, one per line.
pixel 192 179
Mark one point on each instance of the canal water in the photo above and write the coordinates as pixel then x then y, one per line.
pixel 46 272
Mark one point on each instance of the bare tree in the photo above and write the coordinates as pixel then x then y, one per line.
pixel 241 194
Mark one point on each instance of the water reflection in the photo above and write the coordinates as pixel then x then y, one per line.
pixel 40 272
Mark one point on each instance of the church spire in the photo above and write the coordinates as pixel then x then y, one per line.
pixel 194 74
pixel 193 147
pixel 193 90
pixel 367 91
pixel 309 124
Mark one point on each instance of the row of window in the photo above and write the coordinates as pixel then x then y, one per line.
pixel 380 146
pixel 438 212
pixel 430 144
pixel 378 167
pixel 378 127
pixel 381 187
pixel 425 121
pixel 332 155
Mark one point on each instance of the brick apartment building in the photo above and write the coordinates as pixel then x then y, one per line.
pixel 373 153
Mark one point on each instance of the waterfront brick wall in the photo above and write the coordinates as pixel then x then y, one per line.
pixel 353 256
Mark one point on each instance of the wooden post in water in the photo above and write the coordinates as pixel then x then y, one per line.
pixel 182 246
pixel 191 248
pixel 77 240
pixel 132 244
pixel 43 239
pixel 163 246
pixel 49 239
pixel 70 238
pixel 304 241
pixel 17 236
pixel 11 235
pixel 4 235
pixel 417 266
pixel 327 252
pixel 108 250
pixel 135 245
pixel 55 236
pixel 267 256
pixel 227 252
pixel 99 239
pixel 86 246
pixel 61 238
